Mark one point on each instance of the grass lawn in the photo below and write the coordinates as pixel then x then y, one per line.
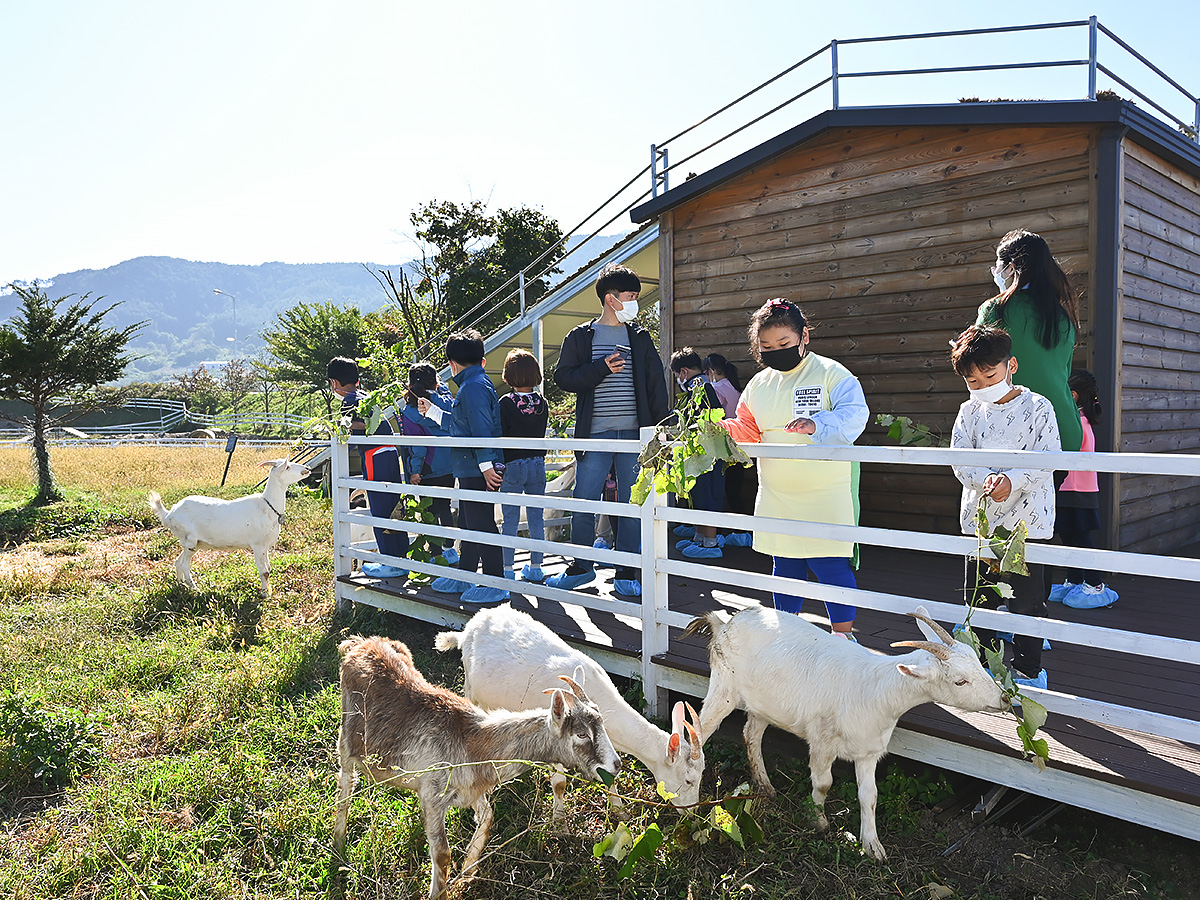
pixel 161 743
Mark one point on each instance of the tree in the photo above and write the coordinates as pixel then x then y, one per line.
pixel 55 361
pixel 306 337
pixel 200 390
pixel 237 380
pixel 469 254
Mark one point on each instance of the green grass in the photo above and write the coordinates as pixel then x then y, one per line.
pixel 215 716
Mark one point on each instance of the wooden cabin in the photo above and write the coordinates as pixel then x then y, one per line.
pixel 882 224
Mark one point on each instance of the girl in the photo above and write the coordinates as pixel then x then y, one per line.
pixel 723 376
pixel 524 413
pixel 429 465
pixel 1036 306
pixel 1078 512
pixel 802 398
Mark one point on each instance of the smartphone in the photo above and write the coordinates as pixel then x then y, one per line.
pixel 624 351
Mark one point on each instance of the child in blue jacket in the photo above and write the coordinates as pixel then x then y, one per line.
pixel 474 413
pixel 429 465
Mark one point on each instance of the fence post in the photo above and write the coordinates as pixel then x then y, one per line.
pixel 653 170
pixel 655 597
pixel 521 289
pixel 1093 41
pixel 834 71
pixel 339 468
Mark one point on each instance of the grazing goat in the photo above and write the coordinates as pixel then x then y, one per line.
pixel 510 658
pixel 248 523
pixel 843 699
pixel 405 732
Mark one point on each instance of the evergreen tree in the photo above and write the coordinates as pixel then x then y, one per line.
pixel 54 361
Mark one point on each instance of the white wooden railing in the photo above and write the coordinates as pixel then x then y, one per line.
pixel 656 567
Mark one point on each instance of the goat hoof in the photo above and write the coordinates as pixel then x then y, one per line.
pixel 822 824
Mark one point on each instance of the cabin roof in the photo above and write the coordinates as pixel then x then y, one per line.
pixel 1140 126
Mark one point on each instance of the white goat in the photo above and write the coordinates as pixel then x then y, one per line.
pixel 843 699
pixel 247 523
pixel 407 733
pixel 510 658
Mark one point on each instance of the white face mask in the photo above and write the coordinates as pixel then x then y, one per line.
pixel 998 277
pixel 628 312
pixel 993 393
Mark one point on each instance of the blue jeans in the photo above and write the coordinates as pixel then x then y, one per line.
pixel 524 476
pixel 591 471
pixel 833 570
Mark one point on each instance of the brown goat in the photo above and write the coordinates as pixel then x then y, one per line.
pixel 405 732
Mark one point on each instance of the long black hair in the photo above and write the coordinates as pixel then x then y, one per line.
pixel 719 365
pixel 1039 275
pixel 1083 383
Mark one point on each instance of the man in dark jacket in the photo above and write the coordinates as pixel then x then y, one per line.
pixel 613 368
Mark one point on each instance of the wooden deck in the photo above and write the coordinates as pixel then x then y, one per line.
pixel 1141 766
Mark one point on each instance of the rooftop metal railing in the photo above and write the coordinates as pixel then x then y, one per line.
pixel 835 74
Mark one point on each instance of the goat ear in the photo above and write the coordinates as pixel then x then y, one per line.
pixel 558 707
pixel 673 745
pixel 677 720
pixel 926 671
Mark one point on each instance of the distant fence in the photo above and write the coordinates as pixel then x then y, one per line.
pixel 172 414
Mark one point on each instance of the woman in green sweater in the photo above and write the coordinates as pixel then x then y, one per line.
pixel 1036 306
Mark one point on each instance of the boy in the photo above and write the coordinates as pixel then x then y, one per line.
pixel 709 491
pixel 474 412
pixel 1001 416
pixel 378 464
pixel 613 368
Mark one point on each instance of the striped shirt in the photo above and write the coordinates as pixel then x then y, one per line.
pixel 615 404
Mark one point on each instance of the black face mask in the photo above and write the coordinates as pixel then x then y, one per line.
pixel 784 360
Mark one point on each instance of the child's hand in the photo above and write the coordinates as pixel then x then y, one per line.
pixel 416 479
pixel 423 405
pixel 997 486
pixel 493 478
pixel 801 425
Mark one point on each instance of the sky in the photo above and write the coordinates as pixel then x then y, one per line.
pixel 306 131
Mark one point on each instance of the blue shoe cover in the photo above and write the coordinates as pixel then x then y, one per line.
pixel 481 595
pixel 685 531
pixel 451 556
pixel 381 570
pixel 1084 596
pixel 1059 591
pixel 601 544
pixel 570 582
pixel 628 586
pixel 693 550
pixel 510 574
pixel 447 585
pixel 1039 682
pixel 534 574
pixel 741 539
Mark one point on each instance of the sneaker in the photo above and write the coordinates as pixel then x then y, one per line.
pixel 450 555
pixel 848 635
pixel 685 531
pixel 1059 591
pixel 447 585
pixel 1083 596
pixel 1039 682
pixel 741 539
pixel 380 570
pixel 534 574
pixel 481 595
pixel 692 550
pixel 571 579
pixel 628 586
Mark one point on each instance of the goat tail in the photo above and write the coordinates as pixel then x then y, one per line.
pixel 156 504
pixel 708 626
pixel 448 640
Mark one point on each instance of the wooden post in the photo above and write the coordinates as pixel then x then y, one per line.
pixel 666 288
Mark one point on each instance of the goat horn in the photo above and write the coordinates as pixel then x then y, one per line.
pixel 941 651
pixel 575 688
pixel 691 713
pixel 566 696
pixel 941 632
pixel 693 739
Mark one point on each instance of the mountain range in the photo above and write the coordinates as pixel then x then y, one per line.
pixel 188 322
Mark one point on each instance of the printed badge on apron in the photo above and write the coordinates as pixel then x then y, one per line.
pixel 807 400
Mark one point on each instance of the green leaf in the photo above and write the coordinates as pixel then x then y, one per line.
pixel 752 832
pixel 615 844
pixel 1033 714
pixel 1003 589
pixel 661 787
pixel 1014 554
pixel 726 824
pixel 640 491
pixel 643 848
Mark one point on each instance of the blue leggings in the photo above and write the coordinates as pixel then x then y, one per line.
pixel 833 570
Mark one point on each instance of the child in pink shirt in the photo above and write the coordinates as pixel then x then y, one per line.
pixel 1078 507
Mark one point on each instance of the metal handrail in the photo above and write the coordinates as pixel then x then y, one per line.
pixel 836 74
